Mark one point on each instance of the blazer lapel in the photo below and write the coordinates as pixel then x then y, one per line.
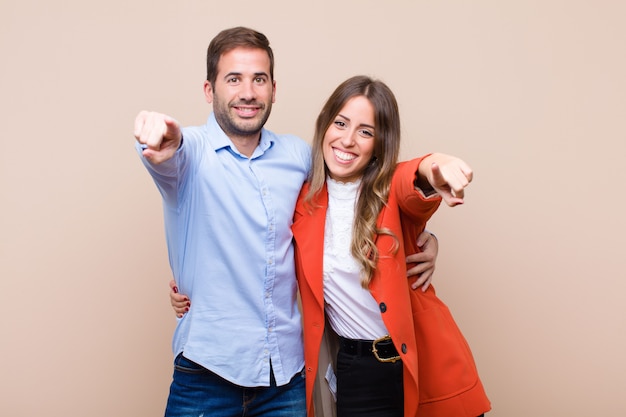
pixel 308 232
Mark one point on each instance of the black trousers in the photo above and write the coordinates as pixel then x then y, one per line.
pixel 369 388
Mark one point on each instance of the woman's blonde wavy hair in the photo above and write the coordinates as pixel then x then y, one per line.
pixel 376 180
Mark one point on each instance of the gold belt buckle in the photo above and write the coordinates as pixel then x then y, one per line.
pixel 392 359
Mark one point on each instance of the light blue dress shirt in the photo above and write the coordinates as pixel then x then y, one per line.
pixel 228 230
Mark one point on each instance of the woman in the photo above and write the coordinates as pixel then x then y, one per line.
pixel 356 218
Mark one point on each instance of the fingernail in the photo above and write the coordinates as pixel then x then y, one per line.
pixel 175 289
pixel 186 309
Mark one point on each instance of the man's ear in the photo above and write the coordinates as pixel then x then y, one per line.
pixel 273 91
pixel 208 92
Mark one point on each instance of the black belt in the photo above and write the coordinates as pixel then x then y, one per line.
pixel 382 349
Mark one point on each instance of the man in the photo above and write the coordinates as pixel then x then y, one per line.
pixel 229 190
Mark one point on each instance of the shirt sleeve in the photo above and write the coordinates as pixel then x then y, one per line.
pixel 168 175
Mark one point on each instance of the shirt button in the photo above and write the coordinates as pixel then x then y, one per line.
pixel 403 348
pixel 383 307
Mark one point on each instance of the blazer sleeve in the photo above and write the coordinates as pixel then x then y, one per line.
pixel 411 202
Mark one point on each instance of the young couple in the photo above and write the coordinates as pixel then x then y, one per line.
pixel 231 190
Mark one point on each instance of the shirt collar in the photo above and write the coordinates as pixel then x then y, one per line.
pixel 219 139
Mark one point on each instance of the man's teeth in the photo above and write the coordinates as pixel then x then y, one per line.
pixel 344 156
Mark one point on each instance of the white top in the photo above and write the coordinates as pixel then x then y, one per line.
pixel 351 310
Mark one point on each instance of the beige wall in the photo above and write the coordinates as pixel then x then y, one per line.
pixel 531 93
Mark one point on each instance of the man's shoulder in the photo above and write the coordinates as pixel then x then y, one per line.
pixel 287 147
pixel 288 141
pixel 194 131
pixel 282 136
pixel 208 135
pixel 200 131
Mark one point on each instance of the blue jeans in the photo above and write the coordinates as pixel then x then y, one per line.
pixel 196 391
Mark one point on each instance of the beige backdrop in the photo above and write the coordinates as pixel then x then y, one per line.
pixel 531 93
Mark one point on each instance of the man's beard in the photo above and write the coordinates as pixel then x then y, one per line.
pixel 233 125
